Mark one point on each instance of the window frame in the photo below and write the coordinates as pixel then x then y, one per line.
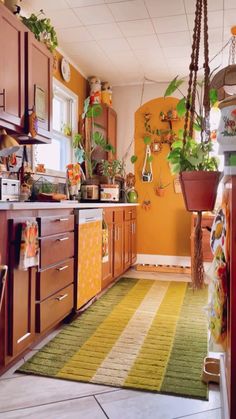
pixel 58 88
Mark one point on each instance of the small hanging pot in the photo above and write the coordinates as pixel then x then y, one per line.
pixel 199 189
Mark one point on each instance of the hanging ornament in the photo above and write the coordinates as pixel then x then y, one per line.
pixel 147 174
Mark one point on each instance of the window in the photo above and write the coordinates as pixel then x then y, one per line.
pixel 58 154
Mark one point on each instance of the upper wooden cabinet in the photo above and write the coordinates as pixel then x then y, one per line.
pixel 39 83
pixel 107 121
pixel 25 77
pixel 12 74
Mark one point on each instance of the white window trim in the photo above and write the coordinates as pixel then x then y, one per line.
pixel 74 128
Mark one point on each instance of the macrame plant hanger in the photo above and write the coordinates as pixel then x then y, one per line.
pixel 201 10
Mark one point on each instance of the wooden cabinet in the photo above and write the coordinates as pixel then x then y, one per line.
pixel 107 267
pixel 107 122
pixel 25 75
pixel 12 71
pixel 21 297
pixel 39 84
pixel 55 278
pixel 228 360
pixel 121 224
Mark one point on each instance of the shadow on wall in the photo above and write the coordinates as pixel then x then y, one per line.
pixel 163 229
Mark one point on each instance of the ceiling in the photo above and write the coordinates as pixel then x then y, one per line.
pixel 124 41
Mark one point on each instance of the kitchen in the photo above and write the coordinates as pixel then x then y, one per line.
pixel 89 206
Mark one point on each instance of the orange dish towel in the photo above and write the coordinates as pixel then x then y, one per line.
pixel 29 246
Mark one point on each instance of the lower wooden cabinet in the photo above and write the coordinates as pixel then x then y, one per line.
pixel 50 311
pixel 121 224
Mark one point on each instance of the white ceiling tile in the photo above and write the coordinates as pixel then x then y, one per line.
pixel 137 28
pixel 126 57
pixel 158 8
pixel 84 49
pixel 229 4
pixel 80 3
pixel 146 56
pixel 105 31
pixel 230 17
pixel 170 24
pixel 177 52
pixel 143 42
pixel 215 19
pixel 214 35
pixel 74 35
pixel 64 19
pixel 129 10
pixel 91 15
pixel 190 5
pixel 174 39
pixel 44 4
pixel 114 45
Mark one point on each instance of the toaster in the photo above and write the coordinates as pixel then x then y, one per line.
pixel 9 190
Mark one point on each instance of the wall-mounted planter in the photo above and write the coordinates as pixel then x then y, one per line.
pixel 160 192
pixel 199 189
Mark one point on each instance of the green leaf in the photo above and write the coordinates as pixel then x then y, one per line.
pixel 177 144
pixel 147 140
pixel 197 127
pixel 175 168
pixel 181 134
pixel 213 96
pixel 181 107
pixel 94 111
pixel 173 86
pixel 133 159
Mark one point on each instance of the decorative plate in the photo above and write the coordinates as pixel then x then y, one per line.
pixel 65 70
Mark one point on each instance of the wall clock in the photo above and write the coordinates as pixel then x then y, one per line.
pixel 65 70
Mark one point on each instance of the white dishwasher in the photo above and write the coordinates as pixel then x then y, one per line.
pixel 89 268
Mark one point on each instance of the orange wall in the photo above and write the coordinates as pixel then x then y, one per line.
pixel 165 228
pixel 78 84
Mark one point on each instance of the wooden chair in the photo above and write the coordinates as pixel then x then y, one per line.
pixel 3 278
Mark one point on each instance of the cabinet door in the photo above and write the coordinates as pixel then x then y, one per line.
pixel 127 244
pixel 111 130
pixel 133 242
pixel 21 296
pixel 11 71
pixel 118 249
pixel 39 84
pixel 107 267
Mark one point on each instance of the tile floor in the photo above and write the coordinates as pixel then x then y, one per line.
pixel 25 396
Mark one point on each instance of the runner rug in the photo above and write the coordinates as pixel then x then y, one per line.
pixel 142 334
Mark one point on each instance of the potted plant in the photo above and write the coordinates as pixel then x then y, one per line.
pixel 111 169
pixel 161 188
pixel 42 29
pixel 192 159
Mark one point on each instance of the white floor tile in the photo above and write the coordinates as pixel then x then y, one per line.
pixel 210 414
pixel 28 391
pixel 11 372
pixel 86 408
pixel 130 404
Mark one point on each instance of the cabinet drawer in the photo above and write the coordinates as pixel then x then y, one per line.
pixel 55 225
pixel 54 279
pixel 55 249
pixel 119 215
pixel 134 214
pixel 54 309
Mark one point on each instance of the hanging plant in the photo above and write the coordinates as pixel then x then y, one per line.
pixel 42 29
pixel 192 159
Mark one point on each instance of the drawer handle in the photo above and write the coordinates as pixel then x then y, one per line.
pixel 63 239
pixel 62 297
pixel 62 219
pixel 62 268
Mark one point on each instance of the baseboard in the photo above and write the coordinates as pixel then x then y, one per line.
pixel 164 259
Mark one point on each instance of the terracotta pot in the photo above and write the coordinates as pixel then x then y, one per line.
pixel 199 189
pixel 160 192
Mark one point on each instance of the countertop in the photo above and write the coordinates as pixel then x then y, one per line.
pixel 56 205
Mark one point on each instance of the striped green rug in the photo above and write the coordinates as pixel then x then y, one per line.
pixel 141 334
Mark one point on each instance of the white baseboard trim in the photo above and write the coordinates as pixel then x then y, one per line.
pixel 164 259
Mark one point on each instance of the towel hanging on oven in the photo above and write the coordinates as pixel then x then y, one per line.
pixel 29 246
